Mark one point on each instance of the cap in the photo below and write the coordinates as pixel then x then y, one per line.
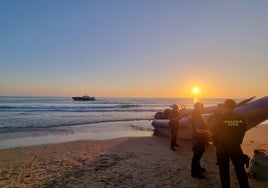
pixel 230 103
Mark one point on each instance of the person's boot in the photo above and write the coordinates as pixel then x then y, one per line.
pixel 172 148
pixel 198 175
pixel 201 170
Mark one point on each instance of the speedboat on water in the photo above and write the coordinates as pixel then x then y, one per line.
pixel 84 98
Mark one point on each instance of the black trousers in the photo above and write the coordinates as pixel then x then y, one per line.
pixel 198 149
pixel 174 132
pixel 237 157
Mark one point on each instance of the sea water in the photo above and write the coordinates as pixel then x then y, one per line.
pixel 38 120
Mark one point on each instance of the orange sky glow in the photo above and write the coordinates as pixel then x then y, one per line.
pixel 134 49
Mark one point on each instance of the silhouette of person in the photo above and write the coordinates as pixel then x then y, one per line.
pixel 174 125
pixel 213 122
pixel 229 137
pixel 200 139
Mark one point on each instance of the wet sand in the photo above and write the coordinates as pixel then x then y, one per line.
pixel 122 162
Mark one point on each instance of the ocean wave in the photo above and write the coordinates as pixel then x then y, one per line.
pixel 40 127
pixel 128 106
pixel 117 108
pixel 43 113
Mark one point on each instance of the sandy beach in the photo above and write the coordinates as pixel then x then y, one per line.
pixel 121 162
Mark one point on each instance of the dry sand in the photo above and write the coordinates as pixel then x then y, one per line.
pixel 122 162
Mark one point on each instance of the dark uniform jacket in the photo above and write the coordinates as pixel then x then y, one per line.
pixel 173 117
pixel 198 123
pixel 231 131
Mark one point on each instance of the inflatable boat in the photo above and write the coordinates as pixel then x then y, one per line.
pixel 255 112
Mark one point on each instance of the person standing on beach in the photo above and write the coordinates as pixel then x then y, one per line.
pixel 174 125
pixel 213 122
pixel 200 139
pixel 229 138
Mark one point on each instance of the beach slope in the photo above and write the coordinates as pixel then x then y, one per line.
pixel 122 162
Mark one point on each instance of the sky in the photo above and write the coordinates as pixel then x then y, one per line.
pixel 134 48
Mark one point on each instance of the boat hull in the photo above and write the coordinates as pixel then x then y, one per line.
pixel 255 113
pixel 83 98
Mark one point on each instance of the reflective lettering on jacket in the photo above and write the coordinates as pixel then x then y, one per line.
pixel 233 123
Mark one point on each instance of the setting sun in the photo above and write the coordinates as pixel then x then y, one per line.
pixel 196 90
